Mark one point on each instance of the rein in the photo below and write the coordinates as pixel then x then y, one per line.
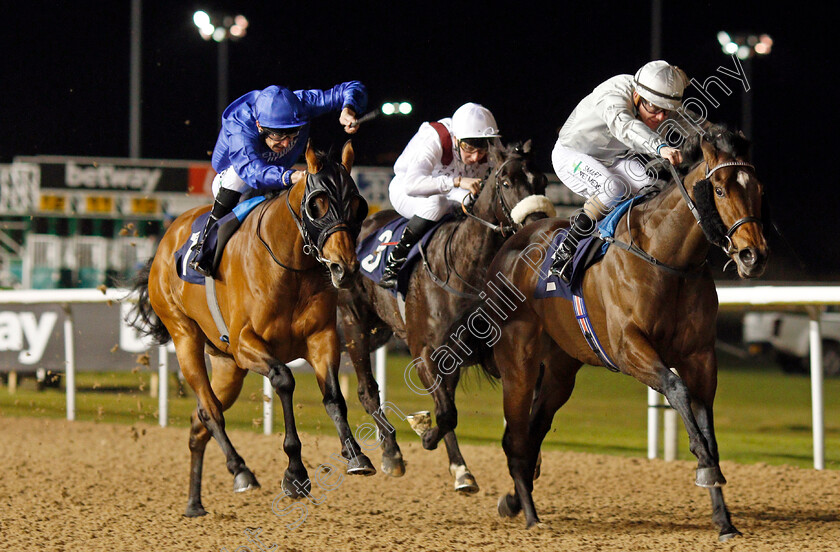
pixel 268 247
pixel 309 248
pixel 499 228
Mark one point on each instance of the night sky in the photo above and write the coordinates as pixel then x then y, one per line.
pixel 65 69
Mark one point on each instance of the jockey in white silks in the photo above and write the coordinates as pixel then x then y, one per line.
pixel 443 163
pixel 595 154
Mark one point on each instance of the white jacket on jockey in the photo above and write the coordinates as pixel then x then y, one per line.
pixel 424 187
pixel 592 155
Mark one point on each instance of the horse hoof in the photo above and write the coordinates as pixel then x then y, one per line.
pixel 196 510
pixel 710 477
pixel 360 465
pixel 244 481
pixel 727 534
pixel 420 422
pixel 466 484
pixel 296 487
pixel 508 506
pixel 464 481
pixel 393 465
pixel 431 439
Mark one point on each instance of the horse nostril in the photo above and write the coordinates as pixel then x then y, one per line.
pixel 337 270
pixel 747 256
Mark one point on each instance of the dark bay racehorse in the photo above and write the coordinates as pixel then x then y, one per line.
pixel 657 323
pixel 458 255
pixel 276 290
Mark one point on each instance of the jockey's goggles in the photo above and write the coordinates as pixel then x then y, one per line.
pixel 474 145
pixel 652 109
pixel 279 134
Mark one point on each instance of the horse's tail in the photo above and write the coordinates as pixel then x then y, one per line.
pixel 143 316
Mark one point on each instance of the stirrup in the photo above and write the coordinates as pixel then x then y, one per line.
pixel 564 272
pixel 388 281
pixel 200 269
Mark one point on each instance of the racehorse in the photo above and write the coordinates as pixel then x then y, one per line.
pixel 277 294
pixel 652 304
pixel 455 260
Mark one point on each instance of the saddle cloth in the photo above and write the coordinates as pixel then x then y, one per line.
pixel 214 244
pixel 373 251
pixel 590 251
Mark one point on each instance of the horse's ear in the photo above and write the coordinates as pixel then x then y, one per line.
pixel 526 147
pixel 348 155
pixel 709 152
pixel 312 164
pixel 495 155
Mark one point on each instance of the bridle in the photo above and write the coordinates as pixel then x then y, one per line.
pixel 505 228
pixel 307 225
pixel 725 242
pixel 501 228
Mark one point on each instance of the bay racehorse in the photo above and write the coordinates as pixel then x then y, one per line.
pixel 653 309
pixel 277 294
pixel 456 259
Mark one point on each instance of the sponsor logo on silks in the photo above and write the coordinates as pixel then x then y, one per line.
pixel 576 167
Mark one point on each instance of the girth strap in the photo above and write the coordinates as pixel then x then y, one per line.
pixel 215 312
pixel 588 332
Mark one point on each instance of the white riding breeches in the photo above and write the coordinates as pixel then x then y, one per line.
pixel 228 179
pixel 433 207
pixel 586 176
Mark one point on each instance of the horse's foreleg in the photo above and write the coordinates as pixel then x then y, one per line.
pixel 438 385
pixel 464 480
pixel 643 363
pixel 555 386
pixel 296 482
pixel 324 357
pixel 358 349
pixel 519 372
pixel 704 414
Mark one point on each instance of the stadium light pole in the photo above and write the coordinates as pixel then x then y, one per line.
pixel 745 47
pixel 222 29
pixel 135 80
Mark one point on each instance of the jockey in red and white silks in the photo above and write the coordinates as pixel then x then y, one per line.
pixel 430 180
pixel 422 185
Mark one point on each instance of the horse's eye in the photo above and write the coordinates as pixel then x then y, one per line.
pixel 719 191
pixel 506 183
pixel 318 205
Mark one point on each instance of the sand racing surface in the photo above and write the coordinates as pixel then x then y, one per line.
pixel 89 487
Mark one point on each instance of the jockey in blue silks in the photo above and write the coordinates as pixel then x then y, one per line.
pixel 263 134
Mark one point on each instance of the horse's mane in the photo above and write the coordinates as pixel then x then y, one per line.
pixel 721 137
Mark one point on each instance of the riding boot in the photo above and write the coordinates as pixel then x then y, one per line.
pixel 561 265
pixel 225 201
pixel 414 230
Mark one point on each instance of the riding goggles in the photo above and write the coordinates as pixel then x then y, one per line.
pixel 474 145
pixel 279 134
pixel 652 109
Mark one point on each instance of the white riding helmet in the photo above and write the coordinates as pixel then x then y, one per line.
pixel 472 120
pixel 661 83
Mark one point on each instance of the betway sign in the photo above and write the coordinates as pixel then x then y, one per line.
pixel 109 177
pixel 142 176
pixel 32 337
